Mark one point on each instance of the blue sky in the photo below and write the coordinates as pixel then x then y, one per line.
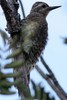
pixel 55 53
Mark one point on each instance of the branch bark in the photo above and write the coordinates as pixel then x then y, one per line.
pixel 10 8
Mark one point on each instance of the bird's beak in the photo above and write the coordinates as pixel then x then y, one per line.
pixel 53 7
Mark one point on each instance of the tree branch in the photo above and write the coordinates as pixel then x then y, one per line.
pixel 10 8
pixel 52 81
pixel 52 76
pixel 22 8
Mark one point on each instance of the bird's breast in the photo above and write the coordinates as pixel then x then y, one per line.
pixel 29 29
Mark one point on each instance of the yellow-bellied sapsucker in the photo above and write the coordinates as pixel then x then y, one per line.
pixel 34 31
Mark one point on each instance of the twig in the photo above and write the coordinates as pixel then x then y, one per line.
pixel 50 82
pixel 22 8
pixel 52 76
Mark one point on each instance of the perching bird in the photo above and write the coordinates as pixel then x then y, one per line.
pixel 34 31
pixel 33 37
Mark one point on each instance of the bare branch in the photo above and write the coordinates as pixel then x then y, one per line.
pixel 52 76
pixel 22 8
pixel 50 82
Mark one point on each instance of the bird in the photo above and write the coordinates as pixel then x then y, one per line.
pixel 34 31
pixel 33 37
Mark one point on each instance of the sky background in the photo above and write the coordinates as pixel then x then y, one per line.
pixel 55 53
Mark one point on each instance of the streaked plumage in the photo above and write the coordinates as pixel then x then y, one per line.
pixel 32 39
pixel 34 31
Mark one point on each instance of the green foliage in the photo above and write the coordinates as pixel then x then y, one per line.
pixel 14 54
pixel 14 64
pixel 4 36
pixel 5 85
pixel 40 93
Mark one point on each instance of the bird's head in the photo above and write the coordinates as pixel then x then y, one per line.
pixel 43 8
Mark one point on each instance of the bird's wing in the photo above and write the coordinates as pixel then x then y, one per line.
pixel 29 30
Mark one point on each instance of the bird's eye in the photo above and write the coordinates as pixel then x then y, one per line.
pixel 43 6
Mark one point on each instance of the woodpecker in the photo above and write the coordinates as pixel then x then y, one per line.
pixel 32 38
pixel 34 31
